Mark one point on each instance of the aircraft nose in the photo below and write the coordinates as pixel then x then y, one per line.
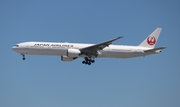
pixel 13 48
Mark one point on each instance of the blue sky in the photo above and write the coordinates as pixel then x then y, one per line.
pixel 46 81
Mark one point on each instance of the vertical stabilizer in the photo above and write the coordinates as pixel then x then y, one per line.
pixel 151 40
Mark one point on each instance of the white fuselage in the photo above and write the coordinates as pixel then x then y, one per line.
pixel 60 49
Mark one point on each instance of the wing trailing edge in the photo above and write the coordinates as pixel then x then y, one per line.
pixel 93 50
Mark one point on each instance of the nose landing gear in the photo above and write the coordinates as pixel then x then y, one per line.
pixel 88 61
pixel 23 57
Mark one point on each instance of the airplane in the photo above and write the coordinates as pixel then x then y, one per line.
pixel 72 51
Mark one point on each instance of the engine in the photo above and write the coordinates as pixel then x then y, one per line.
pixel 66 58
pixel 71 55
pixel 73 52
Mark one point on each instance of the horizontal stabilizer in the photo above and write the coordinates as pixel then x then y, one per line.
pixel 155 49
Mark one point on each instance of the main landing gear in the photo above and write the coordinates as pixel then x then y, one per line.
pixel 88 61
pixel 23 57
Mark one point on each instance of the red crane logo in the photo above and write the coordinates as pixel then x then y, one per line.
pixel 151 40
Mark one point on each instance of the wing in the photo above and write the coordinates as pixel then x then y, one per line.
pixel 93 50
pixel 155 49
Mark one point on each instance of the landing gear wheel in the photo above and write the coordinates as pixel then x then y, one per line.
pixel 83 62
pixel 23 57
pixel 88 61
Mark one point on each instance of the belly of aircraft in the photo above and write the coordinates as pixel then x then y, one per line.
pixel 118 54
pixel 58 52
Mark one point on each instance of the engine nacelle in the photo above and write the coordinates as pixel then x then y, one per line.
pixel 73 52
pixel 66 58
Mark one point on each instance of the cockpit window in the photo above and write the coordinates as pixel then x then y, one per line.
pixel 17 45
